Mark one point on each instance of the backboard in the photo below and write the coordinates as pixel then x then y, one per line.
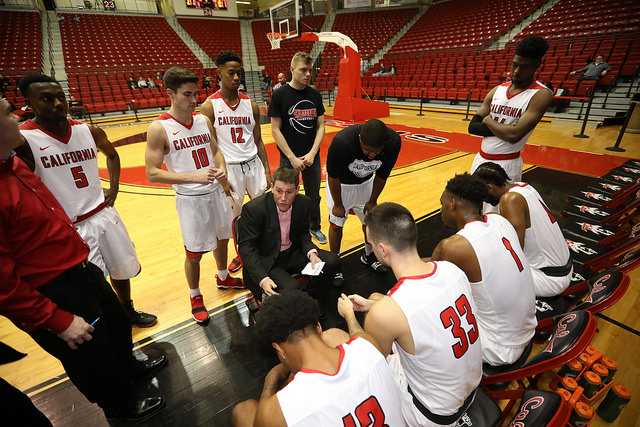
pixel 285 18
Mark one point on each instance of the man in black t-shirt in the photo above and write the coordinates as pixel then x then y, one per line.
pixel 297 125
pixel 354 155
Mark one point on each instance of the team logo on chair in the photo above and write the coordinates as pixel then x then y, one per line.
pixel 633 171
pixel 561 331
pixel 622 178
pixel 591 210
pixel 579 247
pixel 595 196
pixel 527 406
pixel 599 286
pixel 608 186
pixel 595 229
pixel 577 277
pixel 542 306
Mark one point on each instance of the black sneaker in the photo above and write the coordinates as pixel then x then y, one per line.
pixel 373 262
pixel 338 280
pixel 139 318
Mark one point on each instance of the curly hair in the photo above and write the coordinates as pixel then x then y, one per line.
pixel 227 56
pixel 28 80
pixel 393 224
pixel 288 316
pixel 532 47
pixel 492 173
pixel 469 188
pixel 374 133
pixel 175 77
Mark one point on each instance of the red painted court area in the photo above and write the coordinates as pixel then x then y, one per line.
pixel 420 144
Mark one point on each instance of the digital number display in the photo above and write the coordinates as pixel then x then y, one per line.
pixel 207 4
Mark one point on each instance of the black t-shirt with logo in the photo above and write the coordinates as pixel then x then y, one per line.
pixel 299 111
pixel 347 162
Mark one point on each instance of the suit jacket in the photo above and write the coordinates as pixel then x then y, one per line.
pixel 258 233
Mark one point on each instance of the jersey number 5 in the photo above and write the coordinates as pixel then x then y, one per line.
pixel 451 319
pixel 79 177
pixel 368 413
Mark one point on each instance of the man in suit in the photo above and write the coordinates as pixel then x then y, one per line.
pixel 274 241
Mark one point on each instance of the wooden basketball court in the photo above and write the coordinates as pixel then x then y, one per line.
pixel 435 147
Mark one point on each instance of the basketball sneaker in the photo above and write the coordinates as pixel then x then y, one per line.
pixel 235 264
pixel 373 262
pixel 230 283
pixel 319 235
pixel 198 310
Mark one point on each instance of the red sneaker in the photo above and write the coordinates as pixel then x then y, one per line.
pixel 235 265
pixel 198 310
pixel 230 283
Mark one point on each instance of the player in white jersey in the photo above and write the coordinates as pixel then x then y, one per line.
pixel 318 384
pixel 511 111
pixel 426 324
pixel 196 168
pixel 236 125
pixel 538 231
pixel 63 153
pixel 487 249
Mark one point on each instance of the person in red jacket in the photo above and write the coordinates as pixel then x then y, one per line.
pixel 50 291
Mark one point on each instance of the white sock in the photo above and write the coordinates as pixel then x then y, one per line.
pixel 223 274
pixel 194 292
pixel 368 249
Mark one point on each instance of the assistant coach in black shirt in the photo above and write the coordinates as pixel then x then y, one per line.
pixel 359 162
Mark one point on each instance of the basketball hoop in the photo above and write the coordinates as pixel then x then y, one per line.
pixel 275 39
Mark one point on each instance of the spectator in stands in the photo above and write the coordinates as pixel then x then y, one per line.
pixel 158 79
pixel 76 107
pixel 488 250
pixel 4 83
pixel 142 83
pixel 411 323
pixel 593 71
pixel 207 80
pixel 282 80
pixel 266 82
pixel 381 71
pixel 132 83
pixel 331 383
pixel 51 291
pixel 150 82
pixel 511 111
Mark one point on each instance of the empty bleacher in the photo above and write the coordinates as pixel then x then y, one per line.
pixel 20 49
pixel 214 35
pixel 119 42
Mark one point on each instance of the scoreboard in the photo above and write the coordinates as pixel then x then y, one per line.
pixel 208 4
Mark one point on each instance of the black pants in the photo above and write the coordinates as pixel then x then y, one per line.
pixel 592 78
pixel 100 368
pixel 16 409
pixel 293 261
pixel 311 178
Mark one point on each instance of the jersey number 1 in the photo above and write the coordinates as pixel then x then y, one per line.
pixel 368 413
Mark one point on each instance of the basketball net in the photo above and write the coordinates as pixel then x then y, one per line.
pixel 275 39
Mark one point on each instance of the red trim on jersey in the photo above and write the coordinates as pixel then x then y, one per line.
pixel 508 156
pixel 351 339
pixel 218 95
pixel 313 371
pixel 193 254
pixel 533 85
pixel 483 220
pixel 422 276
pixel 91 213
pixel 521 185
pixel 166 116
pixel 31 125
